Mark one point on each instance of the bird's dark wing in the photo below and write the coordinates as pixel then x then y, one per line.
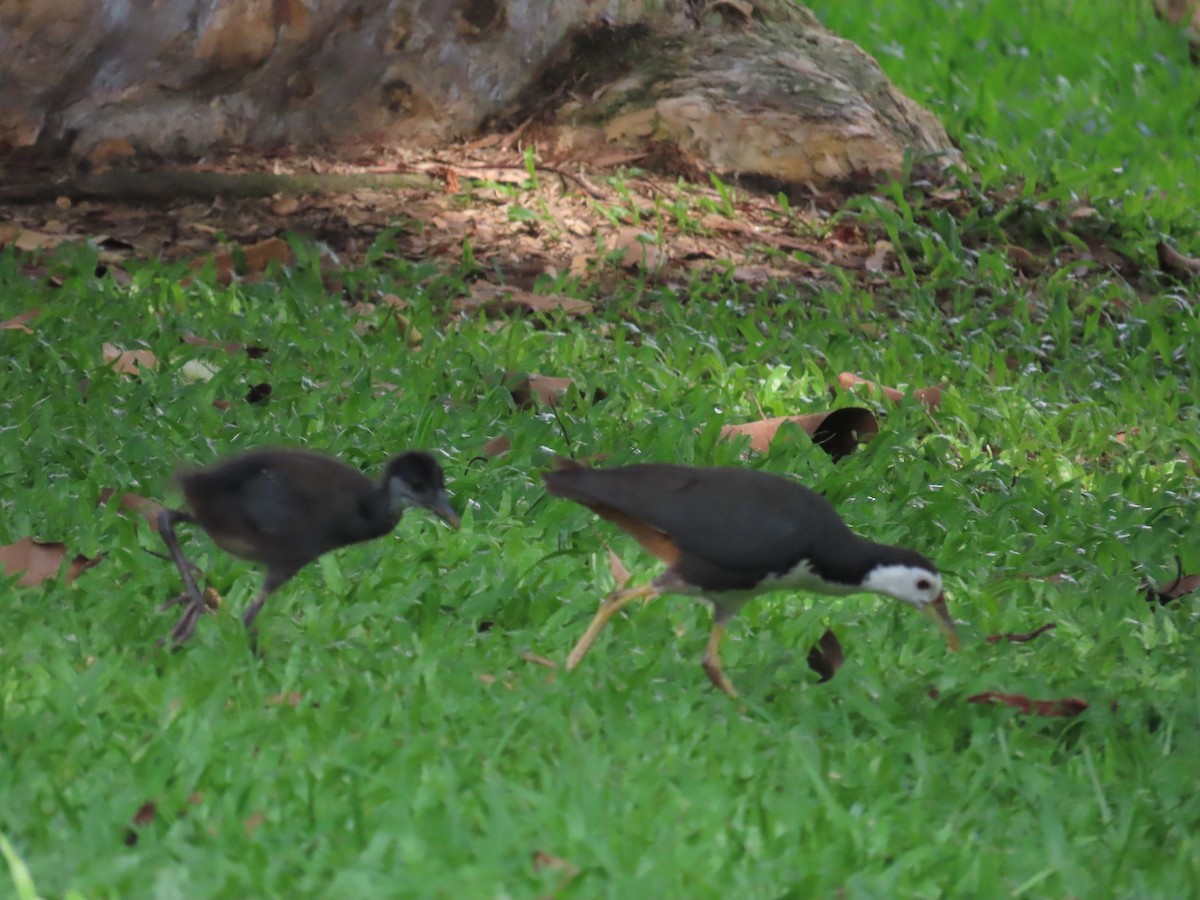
pixel 278 495
pixel 734 518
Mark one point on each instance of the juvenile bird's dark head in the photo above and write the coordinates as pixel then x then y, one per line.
pixel 415 479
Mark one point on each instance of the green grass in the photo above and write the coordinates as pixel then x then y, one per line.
pixel 426 758
pixel 402 773
pixel 1092 99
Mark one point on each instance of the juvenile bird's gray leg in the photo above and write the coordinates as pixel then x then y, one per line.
pixel 191 597
pixel 275 579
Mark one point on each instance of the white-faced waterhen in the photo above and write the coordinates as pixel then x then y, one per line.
pixel 729 534
pixel 284 508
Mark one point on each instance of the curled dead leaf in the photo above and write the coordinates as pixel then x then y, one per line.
pixel 127 362
pixel 826 656
pixel 39 561
pixel 837 432
pixel 639 250
pixel 253 821
pixel 496 298
pixel 249 260
pixel 930 396
pixel 145 815
pixel 878 258
pixel 530 391
pixel 1065 708
pixel 17 323
pixel 1023 637
pixel 291 698
pixel 144 506
pixel 1175 263
pixel 543 861
pixel 1183 584
pixel 497 446
pixel 537 660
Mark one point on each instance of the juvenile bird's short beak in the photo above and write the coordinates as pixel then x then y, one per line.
pixel 442 509
pixel 937 611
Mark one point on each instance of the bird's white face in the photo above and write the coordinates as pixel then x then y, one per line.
pixel 912 584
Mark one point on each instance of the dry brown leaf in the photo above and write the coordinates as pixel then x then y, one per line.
pixel 17 323
pixel 640 250
pixel 256 257
pixel 128 362
pixel 1182 585
pixel 837 432
pixel 497 446
pixel 38 561
pixel 291 698
pixel 145 814
pixel 1174 262
pixel 878 258
pixel 253 821
pixel 490 297
pixel 144 506
pixel 487 679
pixel 29 241
pixel 531 391
pixel 930 396
pixel 1024 262
pixel 1023 637
pixel 537 660
pixel 826 656
pixel 543 861
pixel 285 205
pixel 1065 708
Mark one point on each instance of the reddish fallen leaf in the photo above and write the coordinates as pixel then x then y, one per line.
pixel 291 698
pixel 1174 262
pixel 1055 709
pixel 639 250
pixel 253 352
pixel 145 814
pixel 1183 584
pixel 497 446
pixel 38 561
pixel 253 259
pixel 128 362
pixel 826 656
pixel 930 396
pixel 878 258
pixel 490 297
pixel 253 821
pixel 144 506
pixel 1054 578
pixel 17 323
pixel 531 391
pixel 543 861
pixel 837 432
pixel 1023 637
pixel 531 657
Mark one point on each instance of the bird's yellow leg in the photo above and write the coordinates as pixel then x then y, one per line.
pixel 712 661
pixel 610 607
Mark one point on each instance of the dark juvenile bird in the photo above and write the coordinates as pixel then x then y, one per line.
pixel 284 508
pixel 729 534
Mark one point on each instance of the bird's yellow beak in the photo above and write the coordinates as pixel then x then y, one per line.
pixel 937 611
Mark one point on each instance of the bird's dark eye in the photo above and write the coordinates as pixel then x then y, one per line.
pixel 924 584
